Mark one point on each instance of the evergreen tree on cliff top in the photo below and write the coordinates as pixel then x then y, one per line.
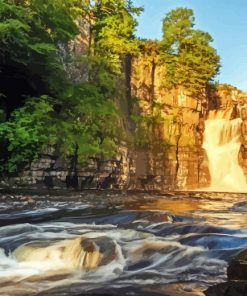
pixel 190 59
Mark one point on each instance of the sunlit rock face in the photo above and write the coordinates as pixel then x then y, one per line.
pixel 184 163
pixel 175 158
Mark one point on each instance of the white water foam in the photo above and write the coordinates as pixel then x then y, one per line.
pixel 222 143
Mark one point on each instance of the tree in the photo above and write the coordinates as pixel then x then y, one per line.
pixel 190 59
pixel 177 25
pixel 23 136
pixel 198 62
pixel 114 30
pixel 30 35
pixel 51 109
pixel 77 125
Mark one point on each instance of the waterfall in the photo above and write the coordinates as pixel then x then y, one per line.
pixel 222 144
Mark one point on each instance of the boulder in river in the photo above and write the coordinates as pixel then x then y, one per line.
pixel 237 279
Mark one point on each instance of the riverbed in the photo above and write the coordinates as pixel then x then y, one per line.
pixel 118 243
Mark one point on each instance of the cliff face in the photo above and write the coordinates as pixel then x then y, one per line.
pixel 172 156
pixel 175 157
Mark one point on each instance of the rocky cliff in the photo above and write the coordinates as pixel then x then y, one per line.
pixel 167 155
pixel 174 158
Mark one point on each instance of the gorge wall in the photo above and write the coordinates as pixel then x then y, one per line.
pixel 175 158
pixel 167 156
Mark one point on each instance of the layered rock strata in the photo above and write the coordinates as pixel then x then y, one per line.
pixel 172 156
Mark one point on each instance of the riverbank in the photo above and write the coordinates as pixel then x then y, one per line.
pixel 125 192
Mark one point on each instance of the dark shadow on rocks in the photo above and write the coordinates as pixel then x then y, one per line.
pixel 237 279
pixel 72 181
pixel 86 182
pixel 230 288
pixel 48 181
pixel 107 182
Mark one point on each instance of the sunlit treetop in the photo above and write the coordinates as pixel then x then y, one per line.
pixel 190 59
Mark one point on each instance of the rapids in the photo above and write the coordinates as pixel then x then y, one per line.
pixel 174 245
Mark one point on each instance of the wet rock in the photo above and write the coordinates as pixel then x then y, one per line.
pixel 237 269
pixel 231 288
pixel 59 184
pixel 48 181
pixel 30 200
pixel 237 279
pixel 72 181
pixel 86 182
pixel 103 245
pixel 107 182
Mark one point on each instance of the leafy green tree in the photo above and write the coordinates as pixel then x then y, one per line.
pixel 30 35
pixel 24 135
pixel 190 59
pixel 81 128
pixel 114 30
pixel 198 62
pixel 177 25
pixel 53 110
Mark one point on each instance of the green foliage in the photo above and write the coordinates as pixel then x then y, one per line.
pixel 30 34
pixel 78 118
pixel 146 125
pixel 190 59
pixel 198 62
pixel 82 119
pixel 142 132
pixel 84 123
pixel 81 124
pixel 177 25
pixel 114 30
pixel 23 135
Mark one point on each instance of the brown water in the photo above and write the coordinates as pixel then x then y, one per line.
pixel 173 245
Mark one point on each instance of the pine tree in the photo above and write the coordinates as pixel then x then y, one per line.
pixel 190 59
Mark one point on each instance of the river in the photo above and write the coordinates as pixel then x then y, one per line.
pixel 174 244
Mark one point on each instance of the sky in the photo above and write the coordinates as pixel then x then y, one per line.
pixel 225 20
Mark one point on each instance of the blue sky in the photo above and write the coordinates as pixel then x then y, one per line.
pixel 225 20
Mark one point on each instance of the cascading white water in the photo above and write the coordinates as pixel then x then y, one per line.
pixel 222 144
